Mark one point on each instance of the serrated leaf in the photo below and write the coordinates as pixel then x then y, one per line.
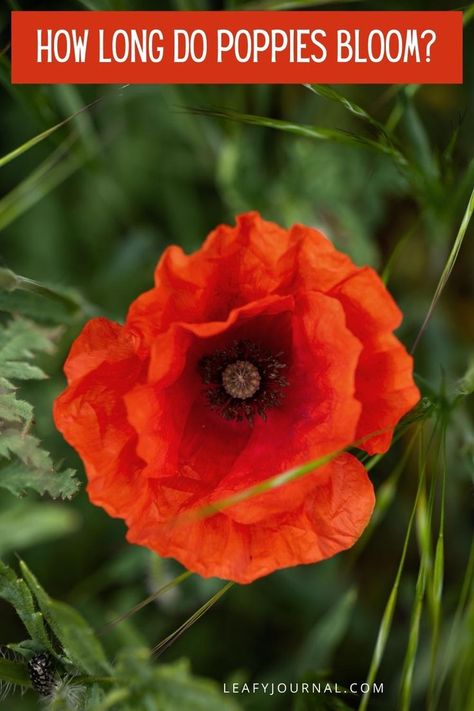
pixel 24 464
pixel 77 638
pixel 18 479
pixel 22 371
pixel 14 410
pixel 21 338
pixel 15 591
pixel 27 449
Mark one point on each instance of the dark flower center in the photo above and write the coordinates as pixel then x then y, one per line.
pixel 244 380
pixel 241 379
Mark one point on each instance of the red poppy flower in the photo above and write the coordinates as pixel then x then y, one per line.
pixel 265 349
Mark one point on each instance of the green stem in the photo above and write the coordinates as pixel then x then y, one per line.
pixel 9 281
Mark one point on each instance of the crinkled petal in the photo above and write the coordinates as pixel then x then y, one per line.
pixel 385 387
pixel 91 415
pixel 332 517
pixel 384 378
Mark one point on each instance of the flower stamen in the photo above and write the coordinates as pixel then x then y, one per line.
pixel 241 379
pixel 244 380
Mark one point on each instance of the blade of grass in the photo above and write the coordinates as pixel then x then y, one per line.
pixel 437 579
pixel 5 49
pixel 53 171
pixel 417 137
pixel 151 598
pixel 410 657
pixel 77 115
pixel 424 516
pixel 462 687
pixel 451 261
pixel 387 618
pixel 91 5
pixel 322 134
pixel 328 92
pixel 448 662
pixel 402 242
pixel 168 641
pixel 468 15
pixel 70 100
pixel 397 111
pixel 291 4
pixel 45 134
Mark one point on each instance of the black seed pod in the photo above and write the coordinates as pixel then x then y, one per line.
pixel 41 672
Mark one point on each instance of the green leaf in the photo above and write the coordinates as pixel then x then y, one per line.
pixel 18 478
pixel 78 640
pixel 15 591
pixel 21 338
pixel 24 464
pixel 14 410
pixel 22 371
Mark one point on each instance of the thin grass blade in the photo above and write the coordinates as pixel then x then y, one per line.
pixel 436 592
pixel 410 657
pixel 53 171
pixel 387 618
pixel 328 92
pixel 168 641
pixel 291 4
pixel 32 142
pixel 318 133
pixel 151 598
pixel 448 267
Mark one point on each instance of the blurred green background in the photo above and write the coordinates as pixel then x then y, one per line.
pixel 93 206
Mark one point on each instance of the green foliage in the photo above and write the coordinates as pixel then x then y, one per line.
pixel 24 463
pixel 85 679
pixel 167 687
pixel 15 591
pixel 77 639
